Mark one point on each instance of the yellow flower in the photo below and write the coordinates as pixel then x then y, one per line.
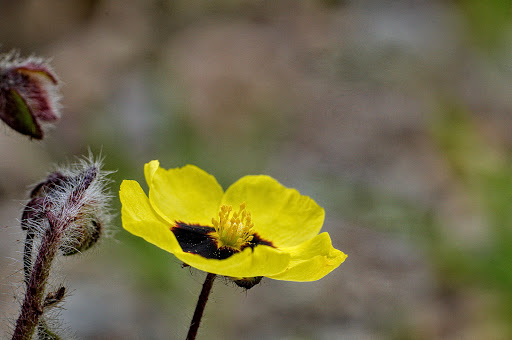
pixel 256 228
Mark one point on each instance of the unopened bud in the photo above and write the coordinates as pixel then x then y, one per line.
pixel 29 94
pixel 41 195
pixel 246 282
pixel 83 238
pixel 75 202
pixel 66 214
pixel 54 180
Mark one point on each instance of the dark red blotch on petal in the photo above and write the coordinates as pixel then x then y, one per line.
pixel 198 239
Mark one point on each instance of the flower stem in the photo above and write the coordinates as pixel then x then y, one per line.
pixel 201 303
pixel 32 307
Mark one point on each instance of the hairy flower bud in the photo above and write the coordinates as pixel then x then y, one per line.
pixel 46 187
pixel 247 282
pixel 82 238
pixel 29 94
pixel 72 200
pixel 66 214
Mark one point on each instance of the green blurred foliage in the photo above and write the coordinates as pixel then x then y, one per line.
pixel 488 21
pixel 486 173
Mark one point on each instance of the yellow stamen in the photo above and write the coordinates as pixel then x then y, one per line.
pixel 235 231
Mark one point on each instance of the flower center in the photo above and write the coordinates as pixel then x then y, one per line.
pixel 233 231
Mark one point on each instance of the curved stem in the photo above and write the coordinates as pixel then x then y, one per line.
pixel 201 303
pixel 32 307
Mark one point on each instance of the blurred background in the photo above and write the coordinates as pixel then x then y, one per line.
pixel 395 116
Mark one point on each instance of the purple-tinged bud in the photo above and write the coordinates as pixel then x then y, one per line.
pixel 66 214
pixel 29 94
pixel 72 200
pixel 85 206
pixel 53 180
pixel 34 213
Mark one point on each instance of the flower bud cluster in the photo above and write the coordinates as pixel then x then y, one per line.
pixel 73 201
pixel 66 214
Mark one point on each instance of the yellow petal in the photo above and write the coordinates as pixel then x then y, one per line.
pixel 260 261
pixel 186 194
pixel 150 169
pixel 311 260
pixel 280 215
pixel 141 220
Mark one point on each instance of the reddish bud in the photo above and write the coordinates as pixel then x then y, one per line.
pixel 73 201
pixel 29 95
pixel 54 180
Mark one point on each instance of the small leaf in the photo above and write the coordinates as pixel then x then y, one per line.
pixel 18 115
